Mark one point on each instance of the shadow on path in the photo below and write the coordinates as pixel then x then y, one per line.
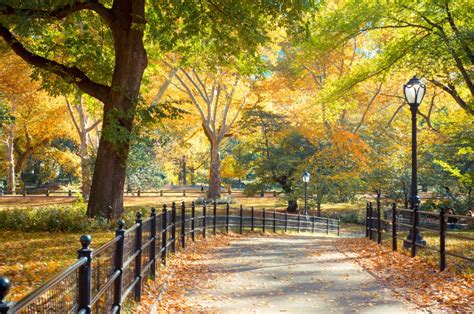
pixel 296 274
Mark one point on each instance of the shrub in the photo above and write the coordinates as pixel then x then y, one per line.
pixel 71 218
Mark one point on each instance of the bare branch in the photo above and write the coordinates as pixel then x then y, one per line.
pixel 164 86
pixel 194 100
pixel 368 107
pixel 73 118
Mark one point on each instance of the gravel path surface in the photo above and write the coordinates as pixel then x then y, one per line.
pixel 293 274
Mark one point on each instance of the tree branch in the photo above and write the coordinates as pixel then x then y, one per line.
pixel 368 107
pixel 71 74
pixel 62 12
pixel 450 89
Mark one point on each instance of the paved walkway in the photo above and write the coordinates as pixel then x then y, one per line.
pixel 294 274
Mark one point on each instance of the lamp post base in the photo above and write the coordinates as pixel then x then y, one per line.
pixel 408 240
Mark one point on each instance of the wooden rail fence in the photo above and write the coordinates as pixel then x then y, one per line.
pixel 439 228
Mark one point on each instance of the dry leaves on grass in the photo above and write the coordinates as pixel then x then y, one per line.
pixel 412 278
pixel 186 269
pixel 30 259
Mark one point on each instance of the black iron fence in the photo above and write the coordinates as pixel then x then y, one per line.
pixel 437 234
pixel 102 280
pixel 135 193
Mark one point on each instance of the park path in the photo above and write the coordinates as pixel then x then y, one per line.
pixel 292 274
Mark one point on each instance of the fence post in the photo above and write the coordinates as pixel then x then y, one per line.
pixel 173 227
pixel 204 216
pixel 227 212
pixel 47 192
pixel 161 192
pixel 394 227
pixel 193 216
pixel 214 218
pixel 24 192
pixel 442 240
pixel 241 219
pixel 184 193
pixel 120 232
pixel 327 225
pixel 69 193
pixel 312 227
pixel 338 226
pixel 414 231
pixel 299 222
pixel 370 221
pixel 367 220
pixel 5 286
pixel 85 275
pixel 263 221
pixel 138 258
pixel 139 192
pixel 252 222
pixel 274 221
pixel 286 221
pixel 164 233
pixel 183 225
pixel 153 243
pixel 379 224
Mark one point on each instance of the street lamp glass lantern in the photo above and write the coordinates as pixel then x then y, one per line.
pixel 414 91
pixel 306 177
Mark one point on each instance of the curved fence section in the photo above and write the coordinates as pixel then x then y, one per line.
pixel 104 279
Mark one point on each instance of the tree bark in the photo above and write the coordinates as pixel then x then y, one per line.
pixel 106 198
pixel 318 206
pixel 10 157
pixel 214 173
pixel 292 206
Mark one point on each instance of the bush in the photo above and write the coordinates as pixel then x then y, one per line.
pixel 71 218
pixel 227 199
pixel 352 217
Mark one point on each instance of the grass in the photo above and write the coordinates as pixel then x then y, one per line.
pixel 30 259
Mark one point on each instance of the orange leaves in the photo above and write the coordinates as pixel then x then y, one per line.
pixel 185 269
pixel 30 259
pixel 412 278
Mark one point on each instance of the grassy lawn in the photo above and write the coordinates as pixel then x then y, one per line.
pixel 29 259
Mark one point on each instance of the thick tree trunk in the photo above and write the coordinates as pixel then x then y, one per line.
pixel 292 206
pixel 10 158
pixel 106 197
pixel 214 173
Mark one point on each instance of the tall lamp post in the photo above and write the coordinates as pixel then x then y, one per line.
pixel 306 180
pixel 414 91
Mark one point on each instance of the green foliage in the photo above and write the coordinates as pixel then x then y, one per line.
pixel 56 218
pixel 143 168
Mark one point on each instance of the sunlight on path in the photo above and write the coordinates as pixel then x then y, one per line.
pixel 297 274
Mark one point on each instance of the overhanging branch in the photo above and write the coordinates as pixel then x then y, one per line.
pixel 61 12
pixel 72 74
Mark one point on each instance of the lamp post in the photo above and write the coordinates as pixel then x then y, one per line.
pixel 414 91
pixel 306 180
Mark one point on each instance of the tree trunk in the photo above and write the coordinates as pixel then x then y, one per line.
pixel 292 206
pixel 106 197
pixel 10 152
pixel 184 171
pixel 318 206
pixel 214 173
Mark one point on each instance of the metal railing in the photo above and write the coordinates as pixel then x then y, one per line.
pixel 439 228
pixel 101 280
